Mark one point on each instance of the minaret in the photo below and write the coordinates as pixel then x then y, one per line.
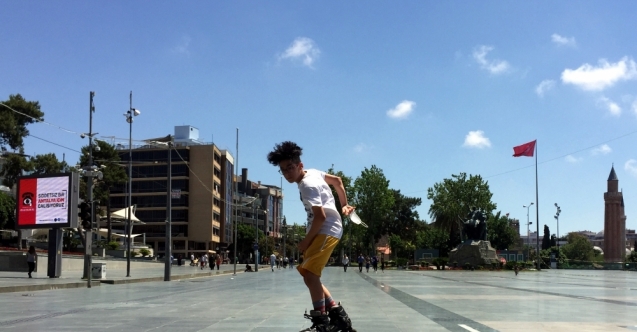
pixel 614 221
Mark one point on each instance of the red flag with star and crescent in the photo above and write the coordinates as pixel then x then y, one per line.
pixel 524 150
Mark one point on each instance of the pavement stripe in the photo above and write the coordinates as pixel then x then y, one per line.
pixel 443 317
pixel 468 328
pixel 623 303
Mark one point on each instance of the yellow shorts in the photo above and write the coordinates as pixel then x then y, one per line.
pixel 317 255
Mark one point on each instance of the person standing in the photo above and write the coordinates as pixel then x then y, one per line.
pixel 211 259
pixel 360 261
pixel 31 259
pixel 323 232
pixel 345 262
pixel 218 261
pixel 382 264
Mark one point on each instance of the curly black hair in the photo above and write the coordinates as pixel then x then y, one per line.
pixel 285 151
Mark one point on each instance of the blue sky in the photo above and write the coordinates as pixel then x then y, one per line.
pixel 421 89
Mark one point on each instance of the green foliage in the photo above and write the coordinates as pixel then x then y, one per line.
pixel 434 238
pixel 373 200
pixel 134 254
pixel 14 165
pixel 7 208
pixel 500 233
pixel 113 245
pixel 452 200
pixel 401 261
pixel 13 126
pixel 578 248
pixel 113 174
pixel 48 164
pixel 144 252
pixel 632 257
pixel 403 219
pixel 70 239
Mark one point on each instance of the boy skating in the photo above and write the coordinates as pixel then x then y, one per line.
pixel 324 230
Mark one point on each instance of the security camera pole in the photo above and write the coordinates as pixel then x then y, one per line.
pixel 88 248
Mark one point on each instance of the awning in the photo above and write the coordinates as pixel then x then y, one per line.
pixel 104 232
pixel 123 215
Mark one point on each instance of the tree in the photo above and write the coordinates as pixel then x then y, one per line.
pixel 434 238
pixel 113 175
pixel 553 240
pixel 13 125
pixel 452 199
pixel 349 191
pixel 403 219
pixel 546 239
pixel 47 164
pixel 500 233
pixel 373 200
pixel 578 247
pixel 7 208
pixel 14 165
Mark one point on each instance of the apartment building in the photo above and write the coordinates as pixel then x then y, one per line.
pixel 201 183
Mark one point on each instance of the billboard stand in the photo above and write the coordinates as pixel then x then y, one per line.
pixel 54 264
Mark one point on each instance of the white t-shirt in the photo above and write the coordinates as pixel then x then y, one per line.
pixel 316 192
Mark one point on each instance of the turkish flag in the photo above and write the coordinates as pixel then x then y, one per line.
pixel 525 150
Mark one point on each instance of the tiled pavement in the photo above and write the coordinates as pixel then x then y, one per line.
pixel 564 300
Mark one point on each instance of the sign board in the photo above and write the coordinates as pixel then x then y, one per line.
pixel 175 193
pixel 47 201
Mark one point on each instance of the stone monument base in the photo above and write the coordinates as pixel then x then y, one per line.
pixel 474 252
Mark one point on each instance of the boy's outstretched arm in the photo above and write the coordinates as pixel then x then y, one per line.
pixel 337 183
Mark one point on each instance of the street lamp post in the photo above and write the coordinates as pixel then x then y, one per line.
pixel 130 114
pixel 528 233
pixel 557 218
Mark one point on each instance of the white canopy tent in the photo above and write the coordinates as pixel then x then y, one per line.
pixel 123 215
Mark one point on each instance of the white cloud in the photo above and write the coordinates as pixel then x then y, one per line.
pixel 303 49
pixel 610 105
pixel 602 149
pixel 563 41
pixel 493 66
pixel 476 139
pixel 184 46
pixel 592 78
pixel 631 167
pixel 362 148
pixel 572 159
pixel 634 106
pixel 402 110
pixel 543 87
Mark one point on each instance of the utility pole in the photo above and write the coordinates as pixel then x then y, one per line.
pixel 168 246
pixel 88 248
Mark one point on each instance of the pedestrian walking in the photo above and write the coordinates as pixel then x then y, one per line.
pixel 31 259
pixel 375 263
pixel 219 261
pixel 203 260
pixel 382 265
pixel 345 263
pixel 211 261
pixel 323 232
pixel 360 261
pixel 367 263
pixel 272 260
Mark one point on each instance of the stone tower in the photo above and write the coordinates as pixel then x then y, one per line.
pixel 614 221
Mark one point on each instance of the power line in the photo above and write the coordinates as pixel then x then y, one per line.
pixel 60 145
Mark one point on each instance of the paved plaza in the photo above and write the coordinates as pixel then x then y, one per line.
pixel 563 300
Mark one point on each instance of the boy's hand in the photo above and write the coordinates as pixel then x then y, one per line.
pixel 347 209
pixel 303 245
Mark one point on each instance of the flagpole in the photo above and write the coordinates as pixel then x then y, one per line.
pixel 537 213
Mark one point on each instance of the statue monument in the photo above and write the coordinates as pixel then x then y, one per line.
pixel 474 249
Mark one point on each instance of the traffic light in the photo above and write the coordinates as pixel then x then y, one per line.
pixel 85 215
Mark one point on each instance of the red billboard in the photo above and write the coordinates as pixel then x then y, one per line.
pixel 47 201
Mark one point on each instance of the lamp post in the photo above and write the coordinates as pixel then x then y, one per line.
pixel 528 233
pixel 130 114
pixel 285 231
pixel 557 218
